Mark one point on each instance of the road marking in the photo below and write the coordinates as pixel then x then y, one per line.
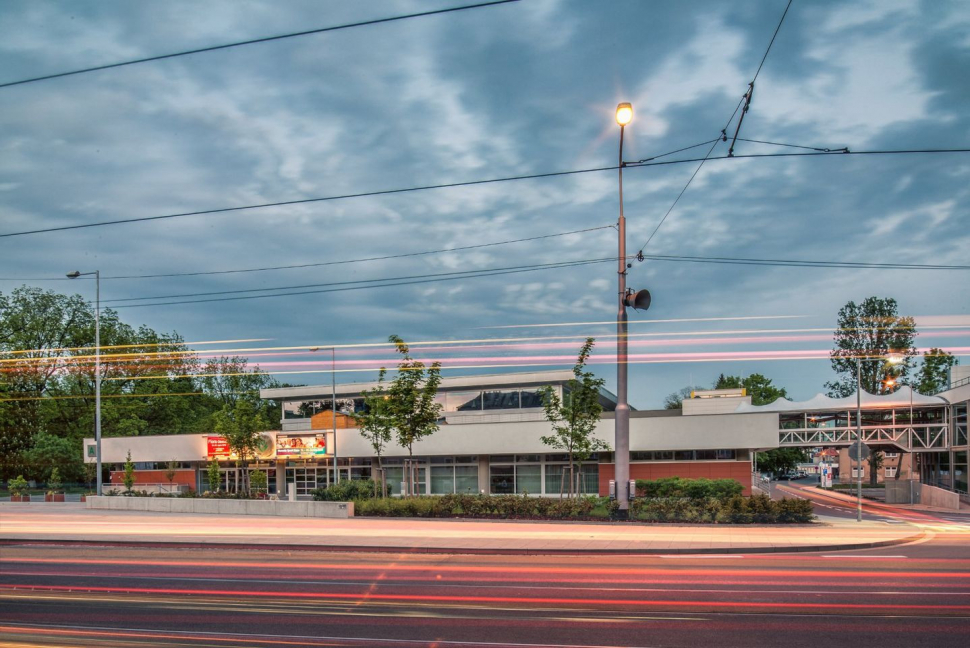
pixel 692 556
pixel 866 556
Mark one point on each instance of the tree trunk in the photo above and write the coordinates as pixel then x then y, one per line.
pixel 571 473
pixel 562 481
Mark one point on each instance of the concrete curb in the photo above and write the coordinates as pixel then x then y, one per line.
pixel 467 550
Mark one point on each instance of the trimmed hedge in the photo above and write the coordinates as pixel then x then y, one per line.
pixel 758 509
pixel 694 489
pixel 481 506
pixel 346 491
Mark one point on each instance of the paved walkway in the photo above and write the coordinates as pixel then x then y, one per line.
pixel 72 523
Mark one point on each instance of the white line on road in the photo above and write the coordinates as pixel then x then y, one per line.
pixel 867 556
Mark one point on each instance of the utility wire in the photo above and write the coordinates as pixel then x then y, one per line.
pixel 353 282
pixel 254 41
pixel 533 176
pixel 745 100
pixel 363 260
pixel 386 284
pixel 805 264
pixel 843 149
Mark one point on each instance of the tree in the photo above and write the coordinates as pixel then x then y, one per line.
pixel 758 387
pixel 213 476
pixel 781 460
pixel 574 416
pixel 411 406
pixel 240 426
pixel 934 374
pixel 170 471
pixel 54 482
pixel 872 329
pixel 129 478
pixel 376 424
pixel 876 461
pixel 676 399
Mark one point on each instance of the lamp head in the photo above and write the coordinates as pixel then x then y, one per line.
pixel 73 275
pixel 624 113
pixel 895 358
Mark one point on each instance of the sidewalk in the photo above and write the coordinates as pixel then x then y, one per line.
pixel 56 523
pixel 851 498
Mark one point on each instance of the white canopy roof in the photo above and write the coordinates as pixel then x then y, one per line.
pixel 821 402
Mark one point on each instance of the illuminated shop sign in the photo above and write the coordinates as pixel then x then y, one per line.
pixel 301 445
pixel 216 447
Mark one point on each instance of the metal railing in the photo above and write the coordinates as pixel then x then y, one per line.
pixel 911 438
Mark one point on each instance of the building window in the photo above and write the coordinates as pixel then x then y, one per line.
pixel 501 480
pixel 856 473
pixel 890 471
pixel 891 455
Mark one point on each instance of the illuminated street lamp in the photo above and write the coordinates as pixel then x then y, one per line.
pixel 97 364
pixel 892 359
pixel 641 301
pixel 333 403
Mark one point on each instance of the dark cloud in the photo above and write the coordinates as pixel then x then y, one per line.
pixel 516 89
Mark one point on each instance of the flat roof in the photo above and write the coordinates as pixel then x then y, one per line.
pixel 450 383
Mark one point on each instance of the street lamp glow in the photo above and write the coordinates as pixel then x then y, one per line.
pixel 624 114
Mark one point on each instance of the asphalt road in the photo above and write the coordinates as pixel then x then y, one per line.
pixel 909 595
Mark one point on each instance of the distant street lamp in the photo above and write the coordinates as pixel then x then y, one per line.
pixel 640 301
pixel 97 365
pixel 891 359
pixel 333 403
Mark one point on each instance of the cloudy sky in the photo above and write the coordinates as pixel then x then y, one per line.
pixel 516 89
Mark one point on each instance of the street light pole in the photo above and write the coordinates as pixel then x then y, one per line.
pixel 621 458
pixel 858 424
pixel 97 365
pixel 333 401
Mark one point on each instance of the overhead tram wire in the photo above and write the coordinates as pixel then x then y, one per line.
pixel 470 183
pixel 746 100
pixel 254 41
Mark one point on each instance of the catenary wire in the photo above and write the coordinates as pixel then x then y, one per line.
pixel 470 183
pixel 746 97
pixel 456 274
pixel 254 41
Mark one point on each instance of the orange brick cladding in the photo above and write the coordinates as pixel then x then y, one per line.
pixel 183 477
pixel 737 470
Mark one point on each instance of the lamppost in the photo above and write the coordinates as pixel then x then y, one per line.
pixel 97 364
pixel 641 301
pixel 333 403
pixel 892 359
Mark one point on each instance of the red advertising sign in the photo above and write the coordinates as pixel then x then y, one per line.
pixel 217 447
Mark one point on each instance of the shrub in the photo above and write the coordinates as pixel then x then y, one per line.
pixel 17 486
pixel 258 481
pixel 346 491
pixel 736 510
pixel 694 489
pixel 762 509
pixel 795 510
pixel 54 483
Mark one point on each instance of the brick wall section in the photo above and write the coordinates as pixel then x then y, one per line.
pixel 738 470
pixel 184 477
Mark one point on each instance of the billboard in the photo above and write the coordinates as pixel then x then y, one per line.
pixel 301 445
pixel 216 447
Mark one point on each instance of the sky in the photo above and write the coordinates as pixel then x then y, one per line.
pixel 515 89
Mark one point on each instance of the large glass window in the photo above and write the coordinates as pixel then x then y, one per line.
pixel 469 401
pixel 442 480
pixel 531 398
pixel 501 400
pixel 466 479
pixel 528 479
pixel 501 479
pixel 960 471
pixel 960 425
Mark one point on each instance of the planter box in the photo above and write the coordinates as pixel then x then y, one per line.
pixel 20 498
pixel 56 497
pixel 223 506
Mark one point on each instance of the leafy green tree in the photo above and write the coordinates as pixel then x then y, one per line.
pixel 411 408
pixel 54 482
pixel 241 425
pixel 781 460
pixel 873 329
pixel 934 374
pixel 675 400
pixel 376 424
pixel 574 416
pixel 758 387
pixel 51 452
pixel 213 476
pixel 129 478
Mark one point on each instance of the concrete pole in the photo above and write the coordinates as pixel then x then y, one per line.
pixel 333 403
pixel 858 424
pixel 621 457
pixel 97 373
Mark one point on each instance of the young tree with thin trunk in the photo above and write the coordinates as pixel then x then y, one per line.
pixel 411 406
pixel 574 416
pixel 376 424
